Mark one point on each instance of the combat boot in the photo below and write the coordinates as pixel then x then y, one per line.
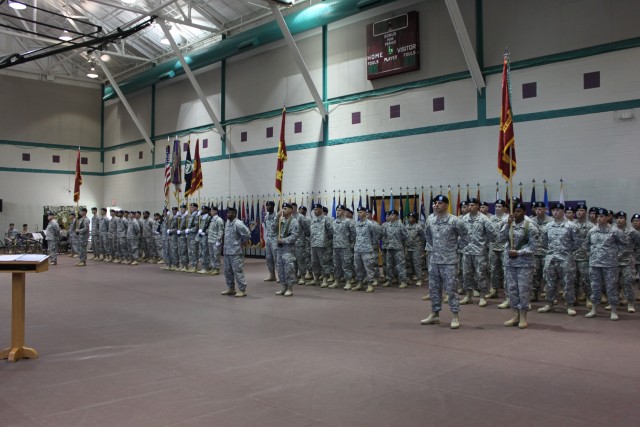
pixel 324 283
pixel 369 289
pixel 331 279
pixel 241 294
pixel 288 292
pixel 455 322
pixel 571 311
pixel 308 276
pixel 203 271
pixel 433 319
pixel 215 271
pixel 271 278
pixel 81 264
pixel 418 282
pixel 347 286
pixel 357 287
pixel 229 291
pixel 468 299
pixel 493 293
pixel 482 302
pixel 314 282
pixel 301 281
pixel 504 304
pixel 631 308
pixel 589 304
pixel 334 285
pixel 515 320
pixel 614 313
pixel 426 297
pixel 523 320
pixel 134 263
pixel 386 284
pixel 592 313
pixel 546 308
pixel 402 285
pixel 282 291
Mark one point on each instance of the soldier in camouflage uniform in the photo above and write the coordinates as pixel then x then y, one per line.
pixel 82 230
pixel 303 248
pixel 561 239
pixel 172 232
pixel 541 219
pixel 148 235
pixel 627 261
pixel 484 209
pixel 415 247
pixel 583 226
pixel 444 235
pixel 395 234
pixel 52 234
pixel 236 235
pixel 496 254
pixel 635 223
pixel 193 242
pixel 329 252
pixel 121 234
pixel 205 256
pixel 287 231
pixel 519 261
pixel 376 236
pixel 215 233
pixel 160 236
pixel 270 240
pixel 73 235
pixel 344 236
pixel 133 231
pixel 363 253
pixel 570 213
pixel 321 229
pixel 603 243
pixel 475 255
pixel 113 236
pixel 103 232
pixel 95 234
pixel 183 253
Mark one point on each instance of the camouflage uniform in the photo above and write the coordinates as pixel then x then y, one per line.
pixel 541 253
pixel 444 236
pixel 142 247
pixel 172 230
pixel 474 255
pixel 148 235
pixel 363 253
pixel 321 230
pixel 83 229
pixel 236 234
pixel 73 236
pixel 113 237
pixel 603 245
pixel 344 235
pixel 95 235
pixel 52 234
pixel 103 230
pixel 496 254
pixel 561 240
pixel 286 258
pixel 121 234
pixel 627 264
pixel 376 236
pixel 582 259
pixel 182 240
pixel 133 231
pixel 395 235
pixel 415 249
pixel 215 234
pixel 302 246
pixel 205 255
pixel 270 241
pixel 193 240
pixel 162 239
pixel 519 270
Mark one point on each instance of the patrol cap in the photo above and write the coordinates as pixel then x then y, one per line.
pixel 539 205
pixel 621 214
pixel 581 205
pixel 558 205
pixel 183 206
pixel 474 200
pixel 317 206
pixel 287 205
pixel 602 211
pixel 464 203
pixel 593 209
pixel 392 212
pixel 501 203
pixel 635 216
pixel 194 205
pixel 270 203
pixel 569 209
pixel 441 198
pixel 343 207
pixel 414 215
pixel 519 205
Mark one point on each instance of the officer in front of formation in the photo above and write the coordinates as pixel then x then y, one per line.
pixel 287 232
pixel 52 234
pixel 395 234
pixel 236 235
pixel 82 231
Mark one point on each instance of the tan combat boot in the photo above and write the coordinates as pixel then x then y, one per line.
pixel 514 320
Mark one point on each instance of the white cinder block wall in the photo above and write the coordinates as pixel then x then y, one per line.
pixel 564 132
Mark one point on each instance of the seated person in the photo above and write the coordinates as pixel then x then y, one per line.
pixel 10 236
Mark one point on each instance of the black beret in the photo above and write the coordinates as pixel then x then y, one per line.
pixel 94 208
pixel 194 205
pixel 270 203
pixel 206 208
pixel 294 204
pixel 232 209
pixel 361 209
pixel 343 207
pixel 581 205
pixel 175 208
pixel 183 206
pixel 558 205
pixel 464 203
pixel 484 204
pixel 214 208
pixel 441 198
pixel 392 212
pixel 602 211
pixel 147 212
pixel 83 209
pixel 621 214
pixel 501 202
pixel 325 210
pixel 635 216
pixel 593 209
pixel 349 210
pixel 474 200
pixel 569 209
pixel 414 215
pixel 302 207
pixel 538 205
pixel 72 214
pixel 287 205
pixel 520 205
pixel 317 206
pixel 50 214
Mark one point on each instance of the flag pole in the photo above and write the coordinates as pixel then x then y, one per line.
pixel 511 192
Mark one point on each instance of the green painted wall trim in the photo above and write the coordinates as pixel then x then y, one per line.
pixel 567 56
pixel 125 144
pixel 272 113
pixel 49 171
pixel 45 145
pixel 139 169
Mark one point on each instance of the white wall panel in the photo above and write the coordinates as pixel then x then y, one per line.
pixel 118 125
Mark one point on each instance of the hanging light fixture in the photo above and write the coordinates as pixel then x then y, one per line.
pixel 92 73
pixel 17 5
pixel 128 1
pixel 65 36
pixel 105 57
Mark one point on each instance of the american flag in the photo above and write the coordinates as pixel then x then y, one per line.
pixel 167 176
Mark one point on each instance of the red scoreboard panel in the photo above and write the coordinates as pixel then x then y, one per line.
pixel 393 46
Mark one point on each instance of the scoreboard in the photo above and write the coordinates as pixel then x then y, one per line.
pixel 393 46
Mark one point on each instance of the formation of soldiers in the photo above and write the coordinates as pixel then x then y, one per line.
pixel 590 255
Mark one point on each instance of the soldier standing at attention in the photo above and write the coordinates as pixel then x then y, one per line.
pixel 541 219
pixel 583 225
pixel 193 240
pixel 214 239
pixel 321 229
pixel 603 243
pixel 205 257
pixel 363 253
pixel 103 231
pixel 183 218
pixel 73 235
pixel 236 235
pixel 95 234
pixel 561 239
pixel 113 237
pixel 415 247
pixel 287 231
pixel 519 263
pixel 52 234
pixel 344 235
pixel 444 234
pixel 395 233
pixel 121 233
pixel 496 254
pixel 133 231
pixel 303 248
pixel 474 255
pixel 270 240
pixel 82 231
pixel 627 261
pixel 635 223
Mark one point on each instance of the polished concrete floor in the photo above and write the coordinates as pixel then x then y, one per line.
pixel 138 346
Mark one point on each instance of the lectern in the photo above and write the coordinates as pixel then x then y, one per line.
pixel 19 266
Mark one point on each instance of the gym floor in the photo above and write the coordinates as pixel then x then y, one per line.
pixel 139 346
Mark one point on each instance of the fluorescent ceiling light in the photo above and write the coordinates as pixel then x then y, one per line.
pixel 17 6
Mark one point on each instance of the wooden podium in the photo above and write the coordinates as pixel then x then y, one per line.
pixel 19 266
